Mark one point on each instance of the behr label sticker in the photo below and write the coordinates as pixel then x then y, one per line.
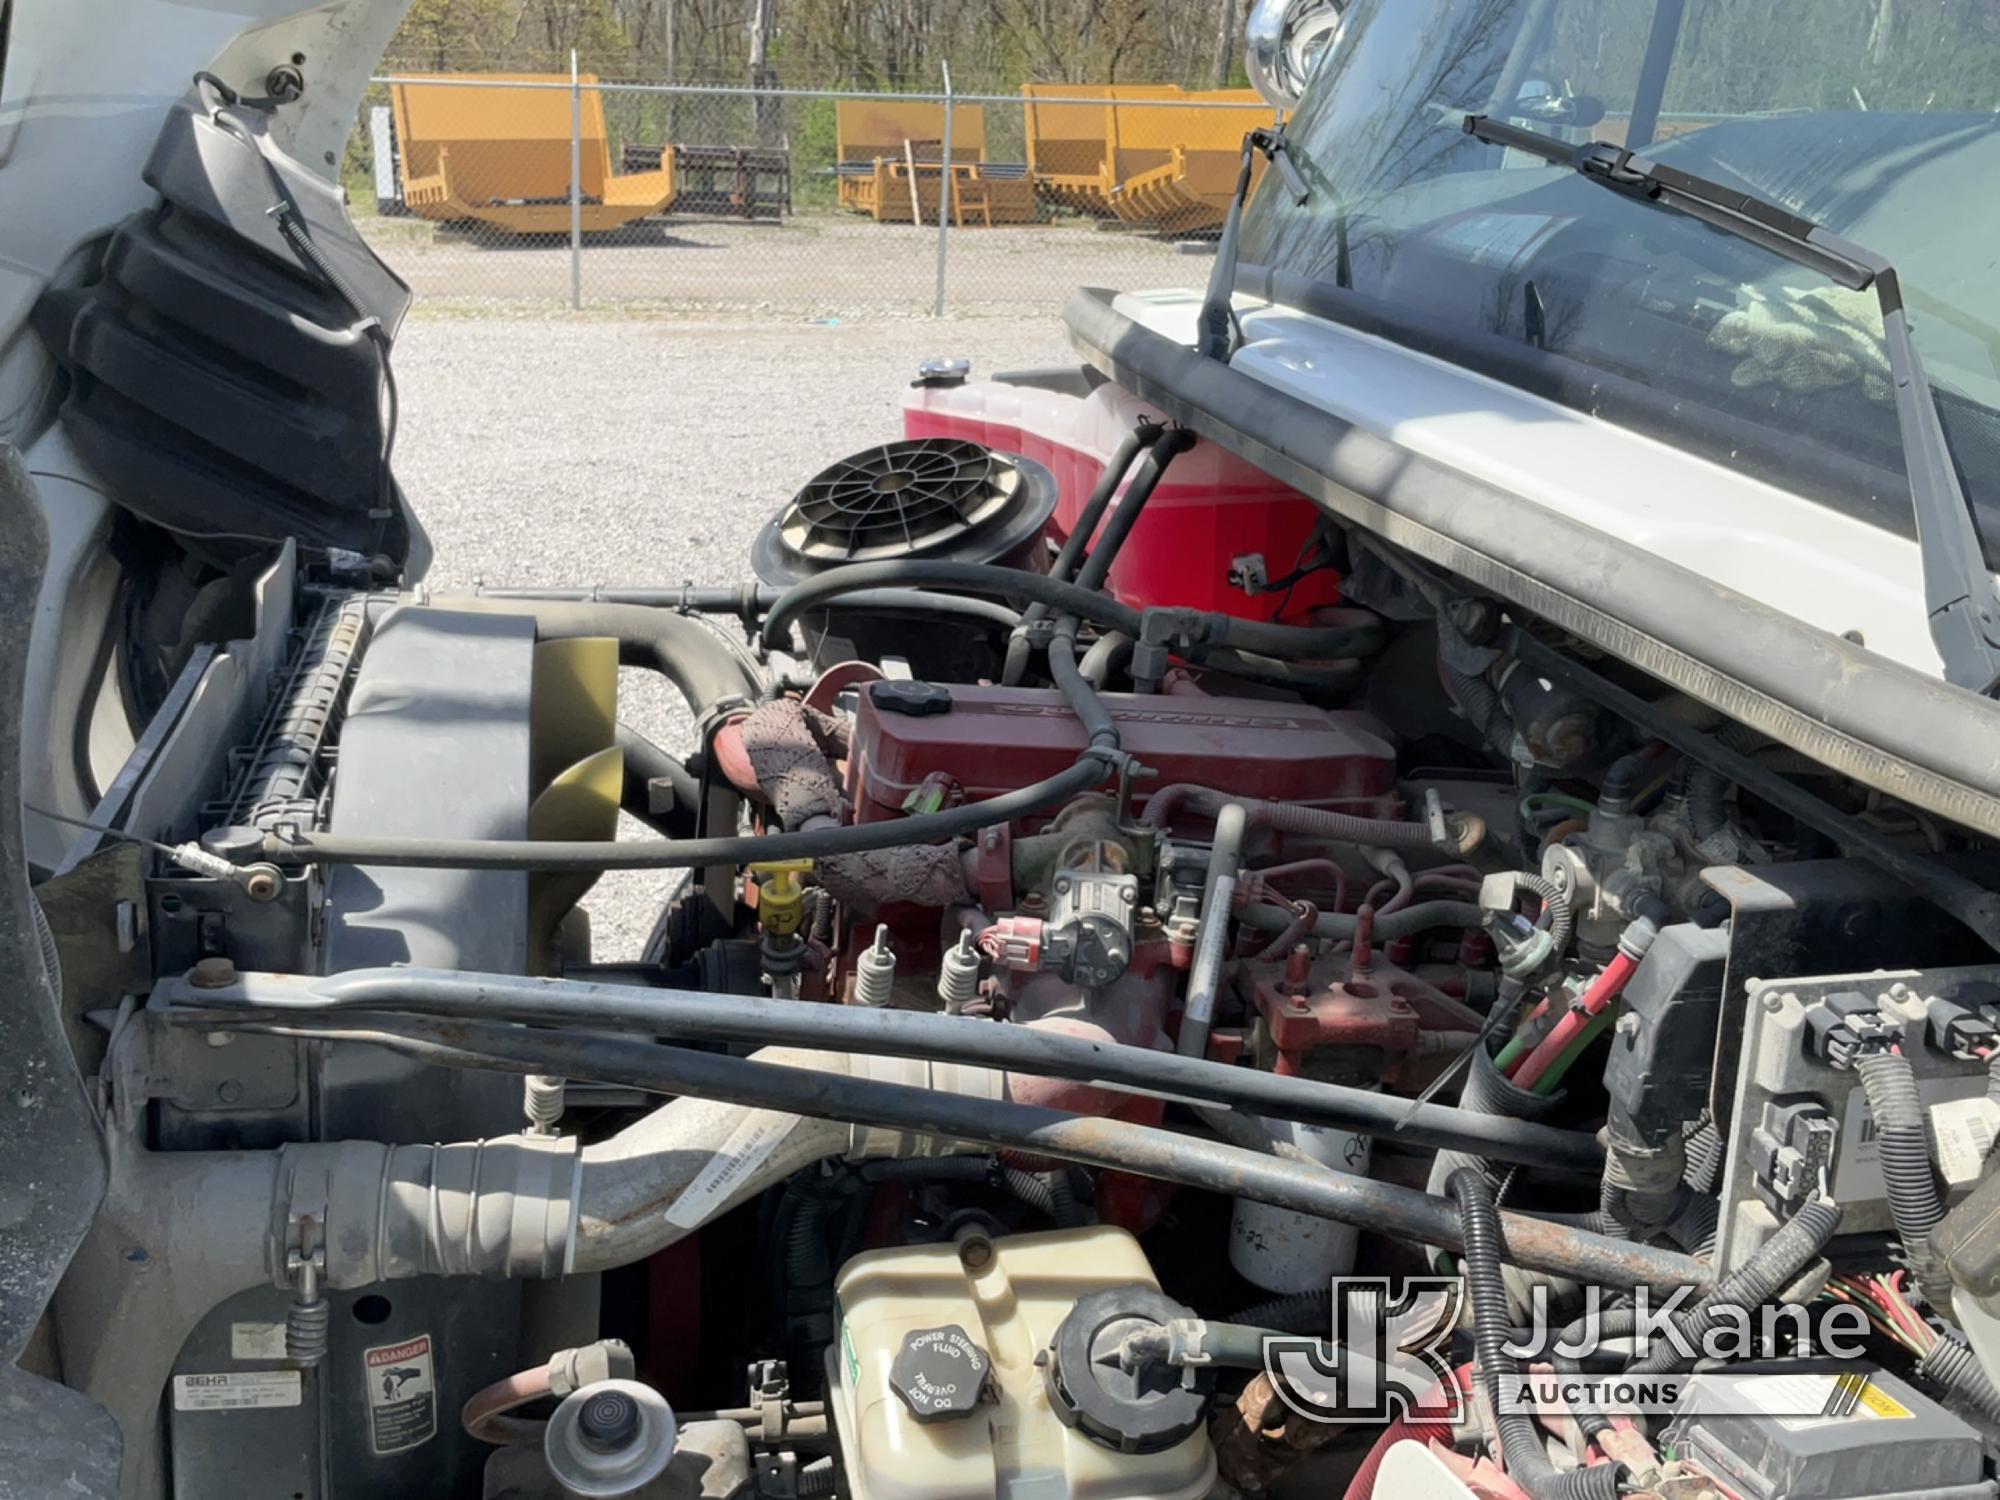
pixel 402 1394
pixel 236 1390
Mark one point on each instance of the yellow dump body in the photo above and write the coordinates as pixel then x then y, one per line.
pixel 880 140
pixel 502 156
pixel 1070 146
pixel 1175 169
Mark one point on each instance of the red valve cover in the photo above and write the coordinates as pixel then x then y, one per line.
pixel 995 739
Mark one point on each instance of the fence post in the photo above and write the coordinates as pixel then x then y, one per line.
pixel 947 195
pixel 575 185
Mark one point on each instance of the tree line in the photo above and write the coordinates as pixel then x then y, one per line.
pixel 849 44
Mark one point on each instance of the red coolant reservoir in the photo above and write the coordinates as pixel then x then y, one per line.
pixel 1212 509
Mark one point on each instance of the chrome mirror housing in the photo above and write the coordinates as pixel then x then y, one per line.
pixel 1284 40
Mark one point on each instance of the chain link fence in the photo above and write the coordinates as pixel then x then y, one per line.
pixel 494 192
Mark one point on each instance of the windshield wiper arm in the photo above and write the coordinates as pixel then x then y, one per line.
pixel 1959 596
pixel 1218 317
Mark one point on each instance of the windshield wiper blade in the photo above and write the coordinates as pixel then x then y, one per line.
pixel 1959 596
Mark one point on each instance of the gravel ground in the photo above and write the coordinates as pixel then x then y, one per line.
pixel 568 451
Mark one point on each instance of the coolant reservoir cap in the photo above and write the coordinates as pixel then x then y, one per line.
pixel 1134 1411
pixel 940 1373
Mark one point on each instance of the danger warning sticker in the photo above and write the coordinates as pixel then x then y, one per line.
pixel 402 1394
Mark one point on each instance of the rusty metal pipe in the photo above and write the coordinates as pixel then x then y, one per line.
pixel 760 1020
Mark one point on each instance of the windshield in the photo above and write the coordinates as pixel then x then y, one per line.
pixel 1875 118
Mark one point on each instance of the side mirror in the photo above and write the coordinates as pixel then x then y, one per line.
pixel 1285 40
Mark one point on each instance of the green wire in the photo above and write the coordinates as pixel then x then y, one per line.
pixel 1546 1084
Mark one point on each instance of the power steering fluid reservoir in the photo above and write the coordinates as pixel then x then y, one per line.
pixel 941 1376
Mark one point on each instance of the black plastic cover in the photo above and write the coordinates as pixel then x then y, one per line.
pixel 220 386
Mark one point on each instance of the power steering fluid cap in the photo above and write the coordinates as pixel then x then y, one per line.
pixel 940 1373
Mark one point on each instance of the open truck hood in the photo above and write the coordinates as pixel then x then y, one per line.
pixel 1376 434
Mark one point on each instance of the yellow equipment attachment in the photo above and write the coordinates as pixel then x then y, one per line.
pixel 501 156
pixel 892 165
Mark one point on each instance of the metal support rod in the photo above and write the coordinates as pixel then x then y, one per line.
pixel 693 1015
pixel 947 194
pixel 576 185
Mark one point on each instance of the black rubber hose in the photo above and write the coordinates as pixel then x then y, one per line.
pixel 1295 817
pixel 1522 1455
pixel 646 762
pixel 1302 1312
pixel 759 1020
pixel 1082 698
pixel 1071 553
pixel 817 843
pixel 1152 468
pixel 1339 926
pixel 749 600
pixel 1309 641
pixel 1903 1144
pixel 1117 1145
pixel 1955 1367
pixel 703 665
pixel 986 578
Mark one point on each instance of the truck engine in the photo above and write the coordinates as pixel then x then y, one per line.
pixel 1136 932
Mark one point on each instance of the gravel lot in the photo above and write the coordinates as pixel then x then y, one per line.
pixel 570 451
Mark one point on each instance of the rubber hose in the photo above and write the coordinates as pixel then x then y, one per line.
pixel 1620 784
pixel 1082 698
pixel 1555 900
pixel 1080 533
pixel 646 762
pixel 655 854
pixel 1707 789
pixel 1522 1455
pixel 1903 1145
pixel 1159 455
pixel 1955 1367
pixel 1288 817
pixel 702 665
pixel 1302 1312
pixel 1310 641
pixel 1104 655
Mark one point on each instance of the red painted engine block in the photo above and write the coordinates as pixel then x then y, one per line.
pixel 994 739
